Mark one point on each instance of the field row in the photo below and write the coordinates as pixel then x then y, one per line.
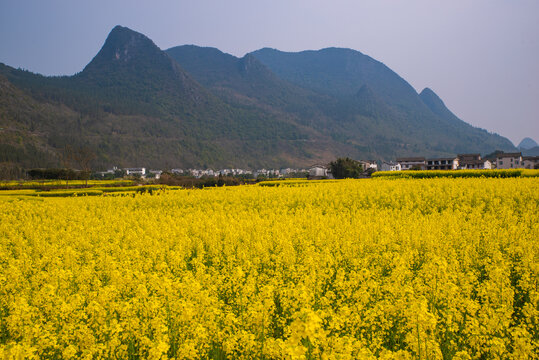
pixel 426 174
pixel 91 191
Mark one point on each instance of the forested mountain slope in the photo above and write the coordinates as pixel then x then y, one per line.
pixel 136 105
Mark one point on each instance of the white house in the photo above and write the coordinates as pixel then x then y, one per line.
pixel 509 161
pixel 136 171
pixel 318 171
pixel 390 166
pixel 368 164
pixel 412 162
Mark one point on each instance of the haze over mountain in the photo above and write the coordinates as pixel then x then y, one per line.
pixel 527 143
pixel 136 105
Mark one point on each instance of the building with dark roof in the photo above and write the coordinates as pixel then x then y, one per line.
pixel 412 162
pixel 530 162
pixel 509 161
pixel 473 161
pixel 446 163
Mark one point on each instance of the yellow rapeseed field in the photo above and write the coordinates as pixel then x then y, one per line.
pixel 355 269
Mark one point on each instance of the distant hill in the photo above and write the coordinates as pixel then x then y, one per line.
pixel 136 105
pixel 534 151
pixel 343 72
pixel 527 143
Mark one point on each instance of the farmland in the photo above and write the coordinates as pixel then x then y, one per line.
pixel 390 268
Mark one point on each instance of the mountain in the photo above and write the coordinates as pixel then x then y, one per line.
pixel 135 106
pixel 22 122
pixel 461 129
pixel 337 72
pixel 437 106
pixel 246 81
pixel 527 143
pixel 384 119
pixel 189 106
pixel 132 75
pixel 129 75
pixel 342 73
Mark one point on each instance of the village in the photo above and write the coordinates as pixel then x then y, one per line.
pixel 459 162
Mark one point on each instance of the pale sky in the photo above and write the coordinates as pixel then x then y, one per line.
pixel 480 56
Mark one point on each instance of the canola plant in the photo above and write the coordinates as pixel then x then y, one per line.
pixel 353 269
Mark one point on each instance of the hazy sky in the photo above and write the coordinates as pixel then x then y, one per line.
pixel 480 56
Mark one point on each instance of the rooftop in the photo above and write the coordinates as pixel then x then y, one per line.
pixel 505 155
pixel 411 159
pixel 443 158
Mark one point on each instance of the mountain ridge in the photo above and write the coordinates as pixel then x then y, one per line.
pixel 309 69
pixel 191 106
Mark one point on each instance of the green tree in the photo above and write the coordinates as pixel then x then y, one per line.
pixel 346 168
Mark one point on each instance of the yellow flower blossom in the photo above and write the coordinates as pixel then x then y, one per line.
pixel 386 268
